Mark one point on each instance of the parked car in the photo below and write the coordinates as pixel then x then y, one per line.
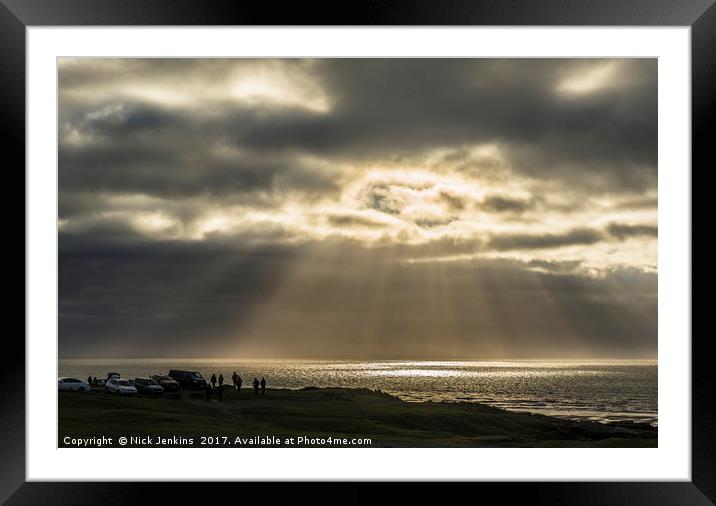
pixel 100 382
pixel 147 386
pixel 120 386
pixel 168 384
pixel 72 384
pixel 111 375
pixel 191 380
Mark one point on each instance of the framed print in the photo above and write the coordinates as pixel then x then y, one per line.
pixel 401 245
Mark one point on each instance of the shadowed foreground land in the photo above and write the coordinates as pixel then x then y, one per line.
pixel 331 412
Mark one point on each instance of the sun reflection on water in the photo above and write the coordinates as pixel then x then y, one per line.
pixel 602 390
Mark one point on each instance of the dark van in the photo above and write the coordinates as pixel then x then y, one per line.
pixel 191 380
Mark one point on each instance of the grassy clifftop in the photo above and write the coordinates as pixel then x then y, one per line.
pixel 332 412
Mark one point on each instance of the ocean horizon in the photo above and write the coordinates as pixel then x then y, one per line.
pixel 603 390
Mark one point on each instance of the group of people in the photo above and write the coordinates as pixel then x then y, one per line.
pixel 236 380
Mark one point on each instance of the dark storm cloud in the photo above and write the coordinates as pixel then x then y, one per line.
pixel 433 222
pixel 108 227
pixel 507 204
pixel 389 108
pixel 137 147
pixel 624 231
pixel 579 236
pixel 174 159
pixel 574 237
pixel 161 172
pixel 181 298
pixel 126 120
pixel 173 140
pixel 103 72
pixel 397 106
pixel 130 294
pixel 639 203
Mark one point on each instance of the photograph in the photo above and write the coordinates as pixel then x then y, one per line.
pixel 357 252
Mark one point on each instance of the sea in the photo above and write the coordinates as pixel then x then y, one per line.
pixel 599 390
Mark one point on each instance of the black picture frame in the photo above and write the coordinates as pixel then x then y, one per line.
pixel 17 15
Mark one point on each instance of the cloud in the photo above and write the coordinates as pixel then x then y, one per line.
pixel 200 299
pixel 217 204
pixel 454 201
pixel 507 204
pixel 119 292
pixel 359 220
pixel 554 266
pixel 388 108
pixel 183 166
pixel 577 236
pixel 396 106
pixel 625 231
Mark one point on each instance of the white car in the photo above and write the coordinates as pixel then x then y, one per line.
pixel 72 384
pixel 120 386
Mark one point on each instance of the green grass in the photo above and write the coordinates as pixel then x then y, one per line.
pixel 337 413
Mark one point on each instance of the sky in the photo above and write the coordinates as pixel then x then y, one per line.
pixel 357 208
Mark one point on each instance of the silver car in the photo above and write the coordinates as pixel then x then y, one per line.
pixel 120 386
pixel 72 384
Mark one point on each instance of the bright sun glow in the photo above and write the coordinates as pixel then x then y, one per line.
pixel 588 81
pixel 255 90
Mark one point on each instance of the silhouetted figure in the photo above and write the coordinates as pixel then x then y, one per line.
pixel 95 380
pixel 237 382
pixel 221 379
pixel 256 386
pixel 220 392
pixel 207 392
pixel 213 380
pixel 233 378
pixel 263 385
pixel 89 380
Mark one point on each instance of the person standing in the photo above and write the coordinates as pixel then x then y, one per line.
pixel 237 382
pixel 89 380
pixel 256 386
pixel 213 380
pixel 221 379
pixel 263 385
pixel 233 379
